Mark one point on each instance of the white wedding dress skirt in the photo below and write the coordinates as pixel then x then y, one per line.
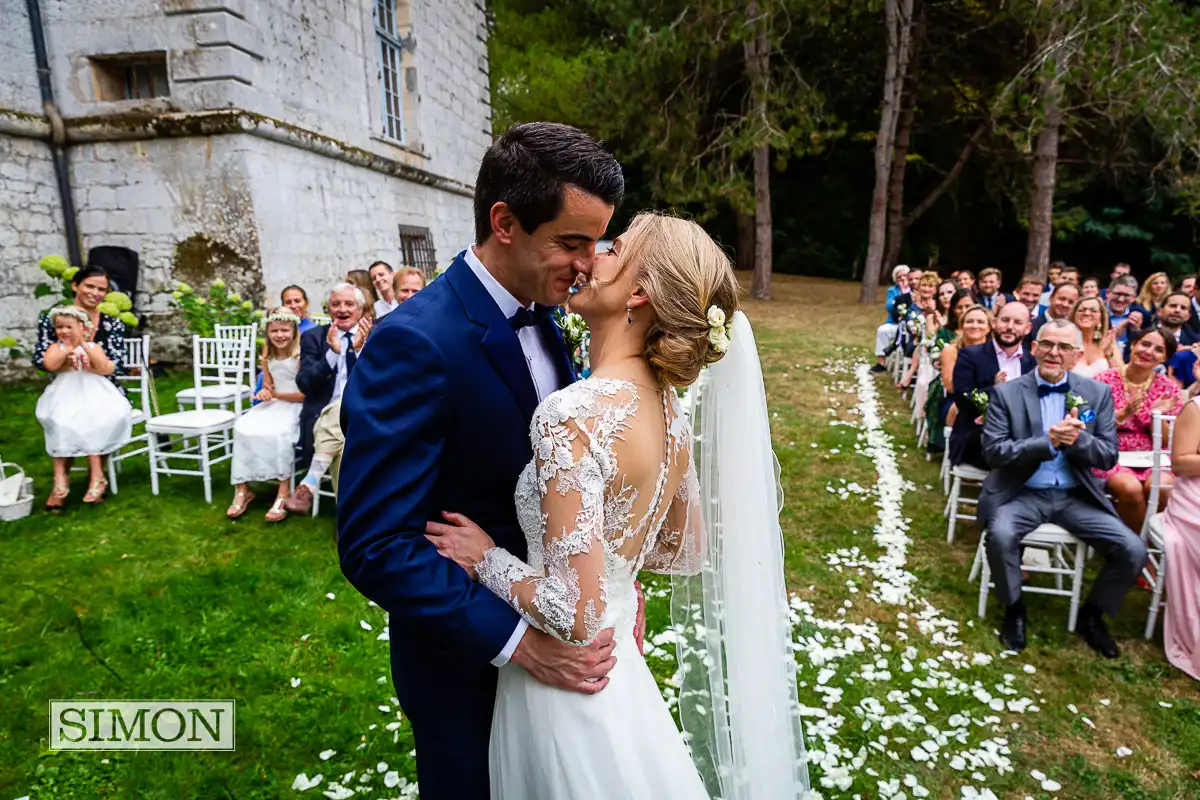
pixel 264 438
pixel 551 744
pixel 83 414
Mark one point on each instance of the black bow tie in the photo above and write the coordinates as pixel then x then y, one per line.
pixel 1044 390
pixel 525 318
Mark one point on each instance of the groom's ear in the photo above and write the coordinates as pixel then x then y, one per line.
pixel 504 222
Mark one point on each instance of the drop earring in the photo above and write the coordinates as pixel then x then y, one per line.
pixel 629 312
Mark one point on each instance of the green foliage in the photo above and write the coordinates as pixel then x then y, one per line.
pixel 116 304
pixel 220 307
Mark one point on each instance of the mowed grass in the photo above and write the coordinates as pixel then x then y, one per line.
pixel 162 597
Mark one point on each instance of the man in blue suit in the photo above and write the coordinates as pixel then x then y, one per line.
pixel 436 418
pixel 979 368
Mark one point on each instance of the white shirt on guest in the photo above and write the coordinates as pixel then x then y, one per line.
pixel 383 307
pixel 337 362
pixel 541 369
pixel 1009 365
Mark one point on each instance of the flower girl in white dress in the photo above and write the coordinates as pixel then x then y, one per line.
pixel 264 438
pixel 82 412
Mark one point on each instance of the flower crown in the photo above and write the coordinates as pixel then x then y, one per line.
pixel 75 313
pixel 281 316
pixel 719 330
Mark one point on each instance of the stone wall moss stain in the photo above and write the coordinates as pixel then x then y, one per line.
pixel 200 259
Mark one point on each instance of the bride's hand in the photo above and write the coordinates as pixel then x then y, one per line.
pixel 461 540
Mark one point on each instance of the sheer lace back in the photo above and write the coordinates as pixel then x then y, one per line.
pixel 611 490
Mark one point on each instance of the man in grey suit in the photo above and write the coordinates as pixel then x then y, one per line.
pixel 1043 434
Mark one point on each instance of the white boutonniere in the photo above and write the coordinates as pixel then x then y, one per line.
pixel 1074 401
pixel 577 338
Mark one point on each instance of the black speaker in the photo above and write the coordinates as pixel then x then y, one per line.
pixel 121 264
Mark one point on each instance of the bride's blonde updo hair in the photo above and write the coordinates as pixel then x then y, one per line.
pixel 684 273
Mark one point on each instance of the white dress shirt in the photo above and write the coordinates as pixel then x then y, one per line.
pixel 545 381
pixel 337 362
pixel 1009 365
pixel 383 308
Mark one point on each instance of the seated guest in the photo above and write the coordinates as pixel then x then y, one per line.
pixel 327 357
pixel 382 280
pixel 1154 291
pixel 965 279
pixel 408 281
pixel 1053 279
pixel 264 438
pixel 90 286
pixel 939 402
pixel 361 279
pixel 1187 285
pixel 1029 290
pixel 979 368
pixel 1043 435
pixel 921 323
pixel 82 413
pixel 1090 286
pixel 1124 315
pixel 885 334
pixel 295 300
pixel 1100 350
pixel 1118 270
pixel 1062 300
pixel 988 290
pixel 924 366
pixel 1173 317
pixel 1139 390
pixel 1181 532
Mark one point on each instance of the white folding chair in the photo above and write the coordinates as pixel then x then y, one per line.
pixel 219 388
pixel 326 479
pixel 1155 571
pixel 1057 543
pixel 945 472
pixel 201 435
pixel 962 476
pixel 137 360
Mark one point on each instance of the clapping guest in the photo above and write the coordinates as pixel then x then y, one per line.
pixel 362 279
pixel 1043 435
pixel 295 300
pixel 978 369
pixel 264 439
pixel 90 286
pixel 1138 391
pixel 1181 535
pixel 1173 316
pixel 1154 291
pixel 1124 316
pixel 988 290
pixel 82 413
pixel 1100 350
pixel 328 354
pixel 885 334
pixel 382 279
pixel 1029 291
pixel 1062 300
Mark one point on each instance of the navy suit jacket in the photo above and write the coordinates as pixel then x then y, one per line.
pixel 436 417
pixel 316 379
pixel 976 368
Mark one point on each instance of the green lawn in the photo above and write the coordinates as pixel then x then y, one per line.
pixel 162 597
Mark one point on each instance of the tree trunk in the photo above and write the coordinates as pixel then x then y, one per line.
pixel 908 104
pixel 897 18
pixel 745 240
pixel 1045 166
pixel 756 51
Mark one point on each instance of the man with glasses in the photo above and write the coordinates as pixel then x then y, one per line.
pixel 1044 434
pixel 1123 314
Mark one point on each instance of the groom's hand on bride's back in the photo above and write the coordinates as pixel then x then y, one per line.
pixel 576 668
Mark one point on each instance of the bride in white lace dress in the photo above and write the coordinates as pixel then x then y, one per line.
pixel 612 490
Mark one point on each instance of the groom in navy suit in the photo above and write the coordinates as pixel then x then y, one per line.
pixel 436 418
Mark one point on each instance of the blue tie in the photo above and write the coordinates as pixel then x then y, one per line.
pixel 351 356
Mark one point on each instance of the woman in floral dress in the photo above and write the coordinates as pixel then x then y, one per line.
pixel 1139 390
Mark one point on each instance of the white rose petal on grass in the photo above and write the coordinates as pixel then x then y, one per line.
pixel 386 709
pixel 327 754
pixel 1049 785
pixel 1165 705
pixel 295 682
pixel 303 783
pixel 1037 775
pixel 329 596
pixel 1072 708
pixel 1088 722
pixel 1124 752
pixel 366 626
pixel 391 780
pixel 304 638
pixel 1029 669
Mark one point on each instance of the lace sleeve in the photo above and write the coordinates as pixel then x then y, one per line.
pixel 679 549
pixel 568 598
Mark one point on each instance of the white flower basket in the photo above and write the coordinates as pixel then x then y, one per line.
pixel 24 502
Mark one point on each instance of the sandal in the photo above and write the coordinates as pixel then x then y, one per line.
pixel 58 498
pixel 277 513
pixel 96 492
pixel 241 501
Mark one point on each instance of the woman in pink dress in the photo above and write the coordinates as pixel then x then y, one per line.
pixel 1138 391
pixel 1181 535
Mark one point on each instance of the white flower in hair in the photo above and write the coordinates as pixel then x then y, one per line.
pixel 719 330
pixel 280 316
pixel 716 317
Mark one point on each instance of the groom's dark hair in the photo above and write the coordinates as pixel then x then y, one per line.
pixel 528 166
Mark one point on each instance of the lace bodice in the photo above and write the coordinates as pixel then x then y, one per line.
pixel 611 490
pixel 283 373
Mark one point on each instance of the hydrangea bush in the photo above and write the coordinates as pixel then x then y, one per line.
pixel 116 304
pixel 218 306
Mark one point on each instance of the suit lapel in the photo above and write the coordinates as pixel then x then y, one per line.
pixel 991 366
pixel 499 341
pixel 1033 406
pixel 1028 362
